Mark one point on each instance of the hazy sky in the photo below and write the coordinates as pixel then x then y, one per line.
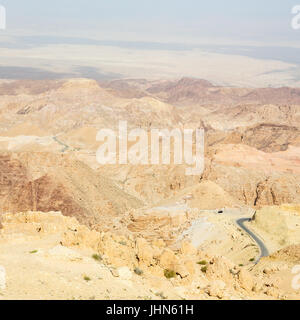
pixel 161 20
pixel 230 42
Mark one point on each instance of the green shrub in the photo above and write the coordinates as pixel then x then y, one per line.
pixel 97 257
pixel 138 271
pixel 252 259
pixel 33 251
pixel 169 274
pixel 204 269
pixel 202 262
pixel 86 278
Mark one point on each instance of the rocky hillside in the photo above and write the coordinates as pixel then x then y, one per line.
pixel 147 222
pixel 61 259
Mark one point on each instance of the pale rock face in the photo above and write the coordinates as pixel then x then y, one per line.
pixel 144 251
pixel 246 280
pixel 181 291
pixel 219 268
pixel 187 248
pixel 124 273
pixel 273 292
pixel 185 268
pixel 182 271
pixel 114 272
pixel 63 252
pixel 83 236
pixel 117 251
pixel 168 259
pixel 2 278
pixel 268 271
pixel 190 266
pixel 159 243
pixel 216 289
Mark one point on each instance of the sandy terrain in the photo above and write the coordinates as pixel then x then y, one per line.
pixel 159 233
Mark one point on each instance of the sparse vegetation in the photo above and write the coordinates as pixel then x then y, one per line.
pixel 125 232
pixel 204 269
pixel 169 274
pixel 97 257
pixel 138 271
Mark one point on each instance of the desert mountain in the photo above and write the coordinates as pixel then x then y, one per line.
pixel 153 217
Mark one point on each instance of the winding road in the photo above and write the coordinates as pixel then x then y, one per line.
pixel 263 249
pixel 66 147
